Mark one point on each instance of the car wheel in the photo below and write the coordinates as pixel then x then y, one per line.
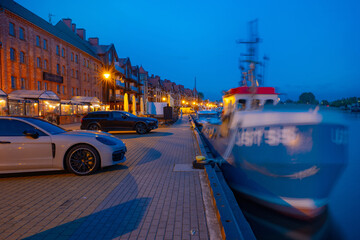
pixel 82 160
pixel 140 128
pixel 94 127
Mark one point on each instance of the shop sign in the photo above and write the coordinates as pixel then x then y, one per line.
pixel 52 77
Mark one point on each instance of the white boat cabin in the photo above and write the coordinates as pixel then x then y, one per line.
pixel 249 98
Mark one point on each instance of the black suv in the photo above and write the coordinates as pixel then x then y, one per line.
pixel 117 121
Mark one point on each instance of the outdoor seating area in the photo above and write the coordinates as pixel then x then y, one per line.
pixel 47 105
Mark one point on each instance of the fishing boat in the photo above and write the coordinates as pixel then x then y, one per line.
pixel 286 157
pixel 283 157
pixel 206 116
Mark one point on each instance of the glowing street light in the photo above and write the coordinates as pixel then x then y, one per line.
pixel 106 75
pixel 183 101
pixel 164 99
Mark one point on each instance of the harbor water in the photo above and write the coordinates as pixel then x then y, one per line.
pixel 341 220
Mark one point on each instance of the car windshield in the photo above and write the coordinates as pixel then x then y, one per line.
pixel 49 127
pixel 129 114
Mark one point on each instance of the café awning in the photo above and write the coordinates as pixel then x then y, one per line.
pixel 34 94
pixel 86 100
pixel 2 93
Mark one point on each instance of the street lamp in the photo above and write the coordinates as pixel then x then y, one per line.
pixel 164 99
pixel 106 75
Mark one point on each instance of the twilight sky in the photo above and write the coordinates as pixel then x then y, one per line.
pixel 313 45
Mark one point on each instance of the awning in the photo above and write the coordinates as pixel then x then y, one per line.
pixel 2 93
pixel 34 94
pixel 86 100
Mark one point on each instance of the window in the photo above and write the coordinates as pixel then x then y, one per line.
pixel 45 64
pixel 12 29
pixel 63 52
pixel 84 93
pixel 269 102
pixel 87 64
pixel 21 33
pixel 255 103
pixel 58 88
pixel 12 54
pixel 76 58
pixel 39 85
pixel 22 82
pixel 72 57
pixel 57 68
pixel 72 91
pixel 13 82
pixel 57 50
pixel 110 57
pixel 63 70
pixel 45 44
pixel 77 92
pixel 22 57
pixel 84 62
pixel 11 127
pixel 38 41
pixel 46 86
pixel 63 89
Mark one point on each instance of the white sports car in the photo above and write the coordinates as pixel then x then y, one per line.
pixel 31 144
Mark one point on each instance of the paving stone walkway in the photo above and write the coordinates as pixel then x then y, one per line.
pixel 143 198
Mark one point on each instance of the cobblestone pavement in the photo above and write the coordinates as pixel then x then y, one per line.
pixel 143 198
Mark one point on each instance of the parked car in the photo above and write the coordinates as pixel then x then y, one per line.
pixel 30 144
pixel 118 121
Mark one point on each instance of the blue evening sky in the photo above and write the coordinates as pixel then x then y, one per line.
pixel 313 45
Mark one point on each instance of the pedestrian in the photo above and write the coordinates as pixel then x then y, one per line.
pixel 180 113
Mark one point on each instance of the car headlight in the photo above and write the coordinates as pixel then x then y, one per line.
pixel 149 121
pixel 106 141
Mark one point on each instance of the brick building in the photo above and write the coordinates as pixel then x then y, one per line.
pixel 36 55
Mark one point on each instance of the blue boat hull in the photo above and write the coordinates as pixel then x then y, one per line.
pixel 290 168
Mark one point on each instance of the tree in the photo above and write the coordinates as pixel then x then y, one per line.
pixel 325 102
pixel 308 98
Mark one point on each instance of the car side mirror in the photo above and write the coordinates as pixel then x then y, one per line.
pixel 124 116
pixel 31 133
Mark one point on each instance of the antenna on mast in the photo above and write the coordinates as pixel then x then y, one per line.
pixel 50 15
pixel 251 57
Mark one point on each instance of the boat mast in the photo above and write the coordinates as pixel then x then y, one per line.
pixel 248 70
